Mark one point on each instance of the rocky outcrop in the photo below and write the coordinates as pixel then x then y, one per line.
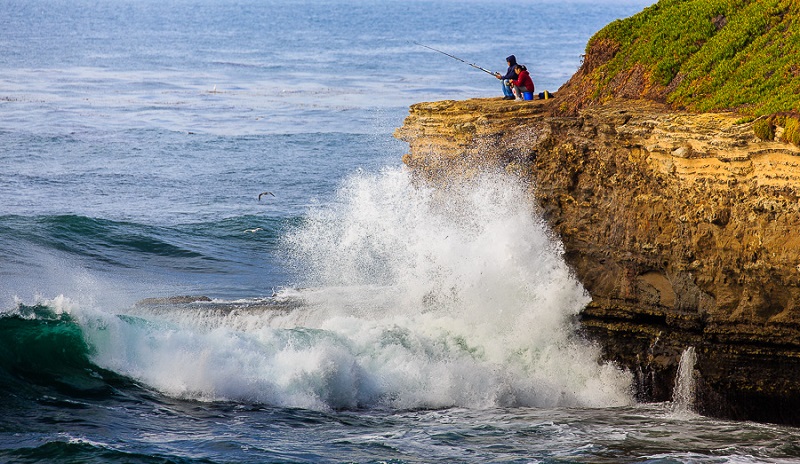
pixel 682 227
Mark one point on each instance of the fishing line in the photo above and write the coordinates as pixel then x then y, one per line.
pixel 457 58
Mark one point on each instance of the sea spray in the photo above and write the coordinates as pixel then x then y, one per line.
pixel 683 393
pixel 469 267
pixel 409 297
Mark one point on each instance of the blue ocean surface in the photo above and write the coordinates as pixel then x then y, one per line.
pixel 210 251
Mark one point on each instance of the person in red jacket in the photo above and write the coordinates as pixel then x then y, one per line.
pixel 523 82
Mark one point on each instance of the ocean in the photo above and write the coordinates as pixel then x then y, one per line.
pixel 210 251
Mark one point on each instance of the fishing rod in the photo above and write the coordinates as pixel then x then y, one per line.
pixel 457 58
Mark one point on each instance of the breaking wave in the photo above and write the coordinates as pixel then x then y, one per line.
pixel 408 297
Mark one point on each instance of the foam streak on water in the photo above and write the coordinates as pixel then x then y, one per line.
pixel 416 298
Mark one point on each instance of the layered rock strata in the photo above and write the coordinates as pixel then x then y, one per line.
pixel 684 228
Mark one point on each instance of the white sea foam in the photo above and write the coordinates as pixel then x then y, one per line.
pixel 683 392
pixel 413 298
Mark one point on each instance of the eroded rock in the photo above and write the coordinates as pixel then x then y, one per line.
pixel 683 227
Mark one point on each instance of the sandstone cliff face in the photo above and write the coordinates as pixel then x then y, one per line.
pixel 684 228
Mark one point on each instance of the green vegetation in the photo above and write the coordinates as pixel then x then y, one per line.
pixel 791 131
pixel 764 129
pixel 704 55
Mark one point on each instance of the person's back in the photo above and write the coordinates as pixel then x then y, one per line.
pixel 525 80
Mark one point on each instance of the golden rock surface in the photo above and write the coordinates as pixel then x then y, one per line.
pixel 683 227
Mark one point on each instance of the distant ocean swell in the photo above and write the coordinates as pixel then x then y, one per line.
pixel 74 450
pixel 108 240
pixel 410 300
pixel 70 254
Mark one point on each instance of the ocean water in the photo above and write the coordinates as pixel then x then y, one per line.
pixel 349 315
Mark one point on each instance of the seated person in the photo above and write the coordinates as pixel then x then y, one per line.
pixel 522 83
pixel 508 77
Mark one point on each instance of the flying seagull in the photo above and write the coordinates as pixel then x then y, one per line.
pixel 264 193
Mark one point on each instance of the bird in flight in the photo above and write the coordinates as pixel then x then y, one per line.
pixel 264 193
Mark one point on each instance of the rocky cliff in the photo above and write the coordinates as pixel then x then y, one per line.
pixel 682 226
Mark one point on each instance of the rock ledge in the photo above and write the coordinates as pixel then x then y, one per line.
pixel 683 228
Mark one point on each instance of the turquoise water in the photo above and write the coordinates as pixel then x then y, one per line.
pixel 350 316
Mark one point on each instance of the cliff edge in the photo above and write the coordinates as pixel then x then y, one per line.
pixel 669 167
pixel 682 227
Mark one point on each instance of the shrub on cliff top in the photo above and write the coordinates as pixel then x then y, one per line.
pixel 791 131
pixel 764 129
pixel 703 55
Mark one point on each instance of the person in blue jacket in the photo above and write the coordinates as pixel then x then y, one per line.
pixel 508 77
